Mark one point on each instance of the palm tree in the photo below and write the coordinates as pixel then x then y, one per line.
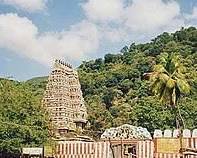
pixel 168 82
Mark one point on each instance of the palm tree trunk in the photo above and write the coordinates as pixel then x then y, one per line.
pixel 179 113
pixel 181 127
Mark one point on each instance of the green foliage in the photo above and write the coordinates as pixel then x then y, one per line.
pixel 23 122
pixel 168 80
pixel 150 113
pixel 116 91
pixel 37 85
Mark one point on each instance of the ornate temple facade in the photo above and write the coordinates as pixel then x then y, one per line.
pixel 63 99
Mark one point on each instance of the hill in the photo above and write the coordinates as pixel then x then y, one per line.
pixel 116 91
pixel 37 85
pixel 23 121
pixel 37 80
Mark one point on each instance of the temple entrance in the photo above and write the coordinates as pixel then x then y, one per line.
pixel 124 148
pixel 132 151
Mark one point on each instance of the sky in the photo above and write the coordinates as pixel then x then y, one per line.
pixel 33 33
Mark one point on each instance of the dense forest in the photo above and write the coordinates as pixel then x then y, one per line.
pixel 117 92
pixel 115 88
pixel 23 122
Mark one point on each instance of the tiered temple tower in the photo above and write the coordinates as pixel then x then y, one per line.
pixel 63 99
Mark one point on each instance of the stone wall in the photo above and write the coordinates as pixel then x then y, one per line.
pixel 168 133
pixel 168 143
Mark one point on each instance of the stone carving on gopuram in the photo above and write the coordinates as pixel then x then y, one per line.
pixel 63 99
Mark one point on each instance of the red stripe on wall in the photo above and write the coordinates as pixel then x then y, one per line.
pixel 62 149
pixel 59 146
pixel 70 148
pixel 80 146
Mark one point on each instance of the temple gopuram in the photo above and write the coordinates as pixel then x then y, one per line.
pixel 63 99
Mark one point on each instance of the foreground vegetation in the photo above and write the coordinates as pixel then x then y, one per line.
pixel 23 122
pixel 115 89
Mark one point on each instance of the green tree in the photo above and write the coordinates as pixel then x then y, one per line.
pixel 115 90
pixel 148 112
pixel 23 122
pixel 168 81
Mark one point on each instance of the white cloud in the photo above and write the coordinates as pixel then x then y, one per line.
pixel 138 15
pixel 108 22
pixel 103 10
pixel 20 35
pixel 113 35
pixel 143 15
pixel 28 5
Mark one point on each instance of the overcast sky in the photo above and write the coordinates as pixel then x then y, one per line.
pixel 35 32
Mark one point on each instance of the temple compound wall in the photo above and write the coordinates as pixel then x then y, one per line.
pixel 63 99
pixel 163 144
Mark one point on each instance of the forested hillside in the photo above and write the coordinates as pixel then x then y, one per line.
pixel 23 121
pixel 115 90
